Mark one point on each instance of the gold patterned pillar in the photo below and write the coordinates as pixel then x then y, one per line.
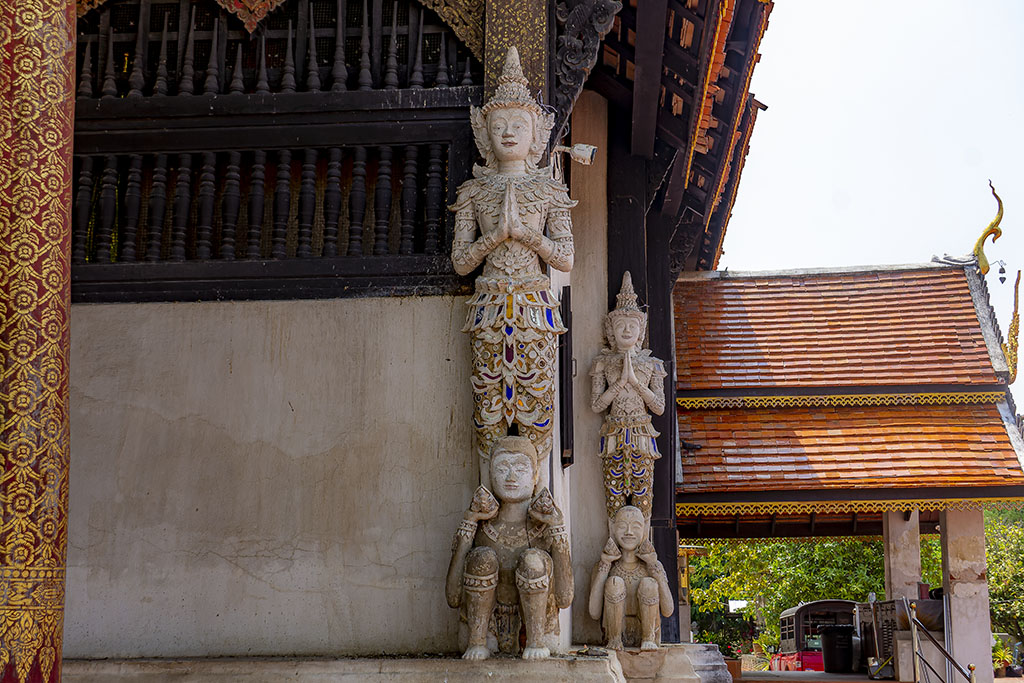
pixel 36 119
pixel 524 24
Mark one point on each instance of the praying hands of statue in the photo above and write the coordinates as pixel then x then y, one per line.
pixel 511 226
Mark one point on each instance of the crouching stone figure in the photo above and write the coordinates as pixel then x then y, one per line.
pixel 629 585
pixel 510 565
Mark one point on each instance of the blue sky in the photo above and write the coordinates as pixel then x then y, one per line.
pixel 885 121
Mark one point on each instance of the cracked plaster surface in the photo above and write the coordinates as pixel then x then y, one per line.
pixel 265 477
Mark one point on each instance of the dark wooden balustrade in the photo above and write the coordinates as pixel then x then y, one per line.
pixel 313 159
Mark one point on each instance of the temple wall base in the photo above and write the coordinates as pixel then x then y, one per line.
pixel 383 670
pixel 667 664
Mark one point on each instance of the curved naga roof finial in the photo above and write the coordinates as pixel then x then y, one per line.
pixel 1010 347
pixel 992 229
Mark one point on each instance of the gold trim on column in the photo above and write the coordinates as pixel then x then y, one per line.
pixel 37 43
pixel 817 401
pixel 731 509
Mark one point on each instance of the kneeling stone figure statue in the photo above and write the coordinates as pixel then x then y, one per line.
pixel 510 561
pixel 629 584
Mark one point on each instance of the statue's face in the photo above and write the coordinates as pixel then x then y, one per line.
pixel 511 132
pixel 628 528
pixel 512 477
pixel 626 329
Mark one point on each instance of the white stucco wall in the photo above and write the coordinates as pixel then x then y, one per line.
pixel 266 477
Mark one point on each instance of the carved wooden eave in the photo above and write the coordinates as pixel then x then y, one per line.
pixel 250 12
pixel 693 96
pixel 466 19
pixel 582 26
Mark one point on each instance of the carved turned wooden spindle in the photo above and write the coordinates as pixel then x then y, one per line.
pixel 132 208
pixel 108 210
pixel 282 204
pixel 157 209
pixel 182 207
pixel 416 78
pixel 212 84
pixel 262 85
pixel 409 196
pixel 186 86
pixel 255 235
pixel 204 216
pixel 160 87
pixel 307 204
pixel 109 88
pixel 441 80
pixel 312 67
pixel 85 79
pixel 339 71
pixel 137 77
pixel 357 203
pixel 237 86
pixel 382 202
pixel 83 209
pixel 230 204
pixel 365 75
pixel 332 201
pixel 467 75
pixel 391 68
pixel 434 199
pixel 288 73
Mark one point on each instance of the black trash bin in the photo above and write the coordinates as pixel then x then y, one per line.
pixel 837 648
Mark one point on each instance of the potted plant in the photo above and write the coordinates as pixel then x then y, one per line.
pixel 1002 657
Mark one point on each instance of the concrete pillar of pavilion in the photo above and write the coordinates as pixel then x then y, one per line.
pixel 37 43
pixel 966 586
pixel 902 536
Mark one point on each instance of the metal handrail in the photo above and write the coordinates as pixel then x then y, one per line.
pixel 916 624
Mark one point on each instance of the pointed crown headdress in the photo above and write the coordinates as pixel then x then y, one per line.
pixel 625 305
pixel 513 91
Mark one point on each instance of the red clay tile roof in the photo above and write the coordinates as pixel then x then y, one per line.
pixel 844 329
pixel 818 448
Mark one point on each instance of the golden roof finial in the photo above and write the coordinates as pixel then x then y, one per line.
pixel 992 229
pixel 1010 347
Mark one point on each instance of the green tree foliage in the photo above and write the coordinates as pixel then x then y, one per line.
pixel 1004 534
pixel 776 575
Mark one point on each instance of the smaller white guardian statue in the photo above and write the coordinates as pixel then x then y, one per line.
pixel 629 584
pixel 629 381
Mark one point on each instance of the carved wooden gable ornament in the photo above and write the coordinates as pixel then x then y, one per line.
pixel 251 12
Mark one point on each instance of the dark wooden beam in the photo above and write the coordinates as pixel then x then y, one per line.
pixel 684 12
pixel 650 45
pixel 611 88
pixel 627 201
pixel 681 61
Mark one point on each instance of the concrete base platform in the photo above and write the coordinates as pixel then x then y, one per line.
pixel 667 664
pixel 604 669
